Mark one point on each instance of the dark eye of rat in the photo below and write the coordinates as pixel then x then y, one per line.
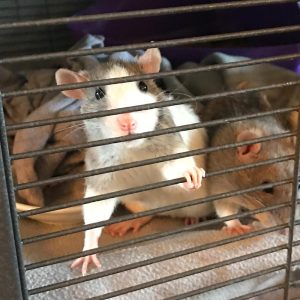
pixel 269 190
pixel 143 86
pixel 99 94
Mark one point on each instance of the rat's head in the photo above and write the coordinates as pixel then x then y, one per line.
pixel 254 153
pixel 118 95
pixel 270 173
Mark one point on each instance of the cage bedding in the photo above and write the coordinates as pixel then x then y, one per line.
pixel 131 278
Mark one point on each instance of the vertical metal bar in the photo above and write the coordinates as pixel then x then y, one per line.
pixel 293 212
pixel 12 275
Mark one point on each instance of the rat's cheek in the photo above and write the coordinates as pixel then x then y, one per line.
pixel 112 128
pixel 146 120
pixel 107 121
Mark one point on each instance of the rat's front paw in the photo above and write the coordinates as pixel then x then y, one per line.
pixel 236 227
pixel 193 178
pixel 85 261
pixel 122 228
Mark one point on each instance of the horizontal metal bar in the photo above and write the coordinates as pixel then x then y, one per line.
pixel 66 283
pixel 73 203
pixel 140 13
pixel 260 292
pixel 185 274
pixel 297 222
pixel 295 262
pixel 134 242
pixel 294 284
pixel 293 210
pixel 116 80
pixel 158 44
pixel 72 230
pixel 159 159
pixel 157 281
pixel 110 112
pixel 12 278
pixel 228 282
pixel 159 132
pixel 120 193
pixel 296 243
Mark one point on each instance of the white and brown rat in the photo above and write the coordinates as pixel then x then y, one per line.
pixel 125 95
pixel 229 133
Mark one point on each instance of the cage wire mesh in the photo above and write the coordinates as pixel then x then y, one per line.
pixel 168 262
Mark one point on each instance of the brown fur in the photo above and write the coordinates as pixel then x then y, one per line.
pixel 227 134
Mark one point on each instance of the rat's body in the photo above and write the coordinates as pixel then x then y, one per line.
pixel 117 154
pixel 242 131
pixel 125 95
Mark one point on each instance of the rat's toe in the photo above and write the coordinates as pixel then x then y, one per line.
pixel 191 221
pixel 85 261
pixel 239 229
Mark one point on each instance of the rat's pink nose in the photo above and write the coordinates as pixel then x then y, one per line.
pixel 126 122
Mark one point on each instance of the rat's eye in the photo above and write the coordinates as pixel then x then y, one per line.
pixel 143 86
pixel 100 93
pixel 269 190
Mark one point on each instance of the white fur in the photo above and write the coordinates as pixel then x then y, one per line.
pixel 183 115
pixel 96 212
pixel 126 95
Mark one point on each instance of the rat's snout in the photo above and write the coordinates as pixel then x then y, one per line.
pixel 126 123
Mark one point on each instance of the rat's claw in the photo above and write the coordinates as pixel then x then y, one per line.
pixel 191 220
pixel 84 261
pixel 193 178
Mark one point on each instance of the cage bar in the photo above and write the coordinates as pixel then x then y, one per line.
pixel 160 44
pixel 149 106
pixel 142 13
pixel 73 203
pixel 8 216
pixel 193 293
pixel 158 132
pixel 226 283
pixel 161 280
pixel 56 234
pixel 293 212
pixel 134 242
pixel 149 161
pixel 104 82
pixel 260 292
pixel 12 275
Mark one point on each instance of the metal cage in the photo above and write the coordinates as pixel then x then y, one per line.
pixel 29 23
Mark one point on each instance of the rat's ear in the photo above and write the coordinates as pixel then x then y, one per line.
pixel 65 76
pixel 248 153
pixel 150 60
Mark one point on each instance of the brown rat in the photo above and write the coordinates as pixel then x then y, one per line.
pixel 125 95
pixel 228 133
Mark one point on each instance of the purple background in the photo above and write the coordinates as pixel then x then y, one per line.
pixel 126 31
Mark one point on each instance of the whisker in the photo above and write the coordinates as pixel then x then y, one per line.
pixel 69 127
pixel 174 93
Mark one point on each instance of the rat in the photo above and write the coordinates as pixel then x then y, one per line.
pixel 245 130
pixel 125 95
